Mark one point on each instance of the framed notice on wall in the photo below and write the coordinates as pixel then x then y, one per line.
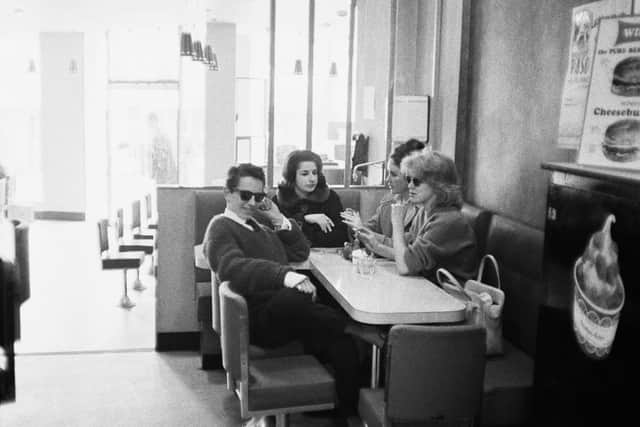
pixel 611 132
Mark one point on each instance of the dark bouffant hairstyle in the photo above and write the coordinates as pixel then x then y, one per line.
pixel 437 170
pixel 243 169
pixel 403 150
pixel 291 167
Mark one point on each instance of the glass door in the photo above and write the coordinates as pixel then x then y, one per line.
pixel 143 140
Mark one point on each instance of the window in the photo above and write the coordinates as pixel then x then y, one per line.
pixel 291 80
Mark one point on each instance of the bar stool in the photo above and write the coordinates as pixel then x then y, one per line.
pixel 133 245
pixel 136 228
pixel 121 261
pixel 151 223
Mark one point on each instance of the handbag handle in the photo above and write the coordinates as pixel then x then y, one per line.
pixel 448 281
pixel 494 263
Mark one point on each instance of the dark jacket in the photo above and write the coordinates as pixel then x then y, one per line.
pixel 322 200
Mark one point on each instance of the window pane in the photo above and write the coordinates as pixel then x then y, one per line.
pixel 290 97
pixel 330 78
pixel 252 82
pixel 144 53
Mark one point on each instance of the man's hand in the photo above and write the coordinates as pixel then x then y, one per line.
pixel 268 209
pixel 323 221
pixel 300 282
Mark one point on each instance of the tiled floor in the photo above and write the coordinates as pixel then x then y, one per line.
pixel 74 305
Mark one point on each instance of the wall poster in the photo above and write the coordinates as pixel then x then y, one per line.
pixel 584 29
pixel 611 132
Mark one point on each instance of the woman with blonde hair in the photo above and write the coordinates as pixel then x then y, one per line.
pixel 442 237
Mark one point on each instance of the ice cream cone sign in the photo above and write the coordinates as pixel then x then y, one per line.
pixel 598 293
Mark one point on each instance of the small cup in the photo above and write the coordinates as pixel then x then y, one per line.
pixel 366 265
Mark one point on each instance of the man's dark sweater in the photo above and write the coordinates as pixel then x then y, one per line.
pixel 255 262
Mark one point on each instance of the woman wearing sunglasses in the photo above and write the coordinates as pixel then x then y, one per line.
pixel 380 222
pixel 305 197
pixel 443 237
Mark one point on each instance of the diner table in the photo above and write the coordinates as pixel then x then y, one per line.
pixel 384 297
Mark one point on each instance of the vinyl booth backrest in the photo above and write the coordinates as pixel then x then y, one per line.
pixel 518 249
pixel 209 203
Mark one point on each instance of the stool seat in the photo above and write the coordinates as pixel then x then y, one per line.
pixel 132 245
pixel 122 260
pixel 144 235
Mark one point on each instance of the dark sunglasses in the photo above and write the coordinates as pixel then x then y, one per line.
pixel 416 181
pixel 246 195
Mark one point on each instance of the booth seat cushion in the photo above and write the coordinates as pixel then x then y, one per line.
pixel 371 406
pixel 508 388
pixel 518 249
pixel 289 381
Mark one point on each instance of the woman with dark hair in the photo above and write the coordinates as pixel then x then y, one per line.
pixel 380 222
pixel 305 197
pixel 444 238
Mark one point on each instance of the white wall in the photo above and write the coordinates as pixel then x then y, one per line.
pixel 62 123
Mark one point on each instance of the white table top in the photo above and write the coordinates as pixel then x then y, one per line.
pixel 386 297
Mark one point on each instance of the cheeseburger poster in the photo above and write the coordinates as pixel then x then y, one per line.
pixel 611 132
pixel 584 29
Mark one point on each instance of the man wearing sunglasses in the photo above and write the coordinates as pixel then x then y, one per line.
pixel 281 302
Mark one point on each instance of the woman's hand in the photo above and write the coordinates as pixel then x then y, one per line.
pixel 370 239
pixel 398 211
pixel 352 219
pixel 323 221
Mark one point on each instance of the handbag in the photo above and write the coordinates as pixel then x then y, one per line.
pixel 484 303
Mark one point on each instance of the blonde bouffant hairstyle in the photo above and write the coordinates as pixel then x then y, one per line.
pixel 437 170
